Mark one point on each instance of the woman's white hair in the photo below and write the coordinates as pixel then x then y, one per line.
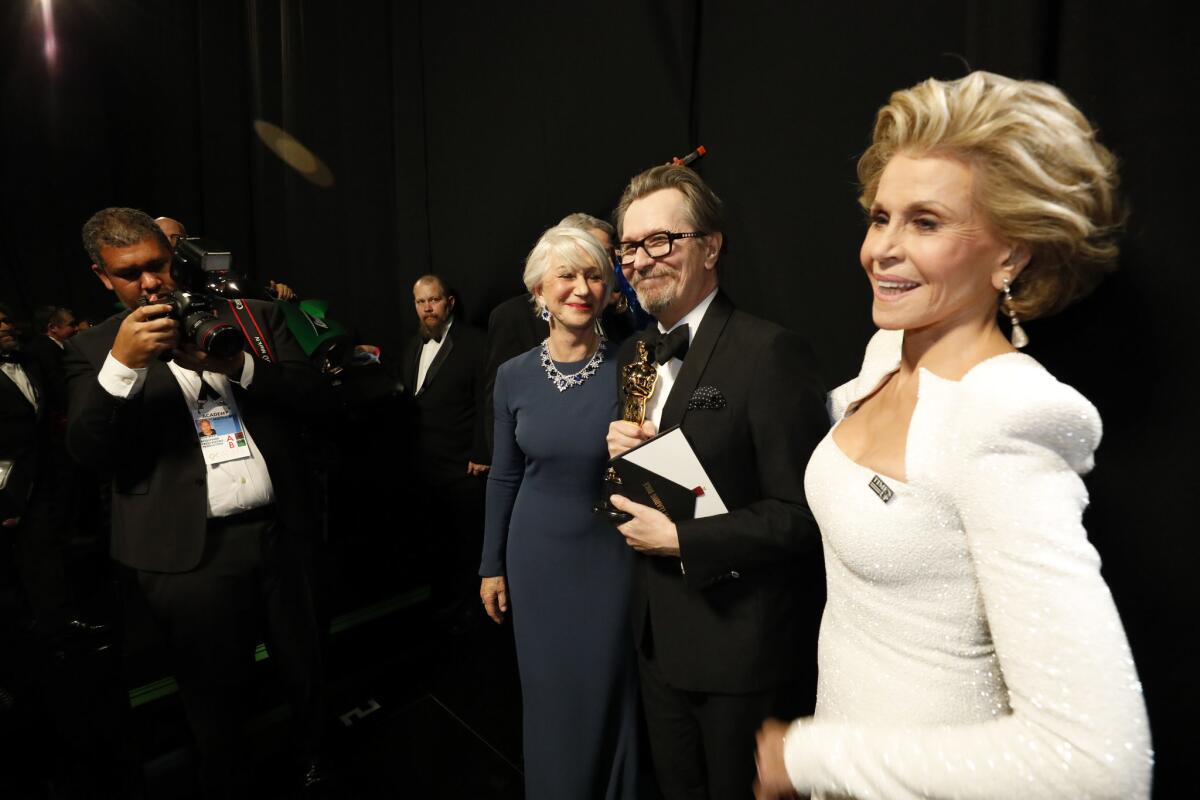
pixel 570 246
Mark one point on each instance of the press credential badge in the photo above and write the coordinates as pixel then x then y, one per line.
pixel 220 430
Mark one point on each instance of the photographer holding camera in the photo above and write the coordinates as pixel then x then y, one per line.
pixel 219 528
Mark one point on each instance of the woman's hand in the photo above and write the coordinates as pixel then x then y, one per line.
pixel 494 593
pixel 773 781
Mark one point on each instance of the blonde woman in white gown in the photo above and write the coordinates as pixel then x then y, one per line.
pixel 969 646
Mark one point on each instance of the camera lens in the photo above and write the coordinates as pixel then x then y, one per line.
pixel 214 337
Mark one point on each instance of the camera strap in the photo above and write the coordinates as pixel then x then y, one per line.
pixel 256 339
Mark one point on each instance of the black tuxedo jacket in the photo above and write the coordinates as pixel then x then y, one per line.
pixel 19 419
pixel 736 612
pixel 49 358
pixel 23 431
pixel 149 444
pixel 448 426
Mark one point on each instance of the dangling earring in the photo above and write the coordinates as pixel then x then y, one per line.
pixel 1019 337
pixel 545 315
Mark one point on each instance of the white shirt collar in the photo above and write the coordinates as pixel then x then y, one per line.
pixel 61 345
pixel 693 318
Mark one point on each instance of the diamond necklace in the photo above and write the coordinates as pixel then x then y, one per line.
pixel 563 382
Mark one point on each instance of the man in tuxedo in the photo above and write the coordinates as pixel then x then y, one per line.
pixel 215 537
pixel 443 369
pixel 21 390
pixel 53 326
pixel 725 607
pixel 32 502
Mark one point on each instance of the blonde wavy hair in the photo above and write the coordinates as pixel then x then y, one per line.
pixel 1041 177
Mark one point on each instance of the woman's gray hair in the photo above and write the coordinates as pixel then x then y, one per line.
pixel 569 245
pixel 586 221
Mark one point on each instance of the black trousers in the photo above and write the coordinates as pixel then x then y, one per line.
pixel 40 537
pixel 703 743
pixel 250 571
pixel 454 539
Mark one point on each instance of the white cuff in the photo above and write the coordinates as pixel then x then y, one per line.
pixel 120 380
pixel 247 371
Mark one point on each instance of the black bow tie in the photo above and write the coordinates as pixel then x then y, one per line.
pixel 426 338
pixel 8 356
pixel 670 345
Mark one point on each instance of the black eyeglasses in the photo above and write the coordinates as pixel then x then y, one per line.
pixel 656 245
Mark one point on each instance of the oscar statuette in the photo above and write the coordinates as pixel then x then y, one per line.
pixel 638 379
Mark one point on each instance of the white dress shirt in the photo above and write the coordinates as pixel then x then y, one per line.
pixel 669 371
pixel 429 352
pixel 16 373
pixel 233 486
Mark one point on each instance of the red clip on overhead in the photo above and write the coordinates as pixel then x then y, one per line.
pixel 690 157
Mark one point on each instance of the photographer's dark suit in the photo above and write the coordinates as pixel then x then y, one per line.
pixel 205 578
pixel 447 428
pixel 740 625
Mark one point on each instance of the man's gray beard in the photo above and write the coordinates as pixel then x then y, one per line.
pixel 661 303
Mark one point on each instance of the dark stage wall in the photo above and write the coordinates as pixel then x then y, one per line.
pixel 457 131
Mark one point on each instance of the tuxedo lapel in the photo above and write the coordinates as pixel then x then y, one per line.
pixel 32 375
pixel 698 354
pixel 12 391
pixel 412 365
pixel 442 353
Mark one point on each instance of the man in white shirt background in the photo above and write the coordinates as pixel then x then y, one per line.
pixel 217 538
pixel 443 372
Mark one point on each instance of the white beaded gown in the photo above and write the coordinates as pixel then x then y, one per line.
pixel 969 646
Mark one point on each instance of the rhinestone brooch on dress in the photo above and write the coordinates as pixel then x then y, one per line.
pixel 563 382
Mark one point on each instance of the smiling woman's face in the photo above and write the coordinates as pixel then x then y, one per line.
pixel 932 259
pixel 574 294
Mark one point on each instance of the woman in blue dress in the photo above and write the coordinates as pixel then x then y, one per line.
pixel 564 572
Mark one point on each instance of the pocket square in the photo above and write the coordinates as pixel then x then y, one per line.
pixel 708 397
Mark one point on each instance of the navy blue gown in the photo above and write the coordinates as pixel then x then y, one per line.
pixel 568 574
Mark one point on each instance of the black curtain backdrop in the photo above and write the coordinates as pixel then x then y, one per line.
pixel 457 131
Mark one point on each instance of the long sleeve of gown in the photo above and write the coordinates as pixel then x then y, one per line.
pixel 504 479
pixel 1078 725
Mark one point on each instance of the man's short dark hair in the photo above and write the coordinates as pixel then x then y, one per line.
pixel 119 227
pixel 60 316
pixel 703 208
pixel 42 315
pixel 586 221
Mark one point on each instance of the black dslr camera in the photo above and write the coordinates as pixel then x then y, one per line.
pixel 199 270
